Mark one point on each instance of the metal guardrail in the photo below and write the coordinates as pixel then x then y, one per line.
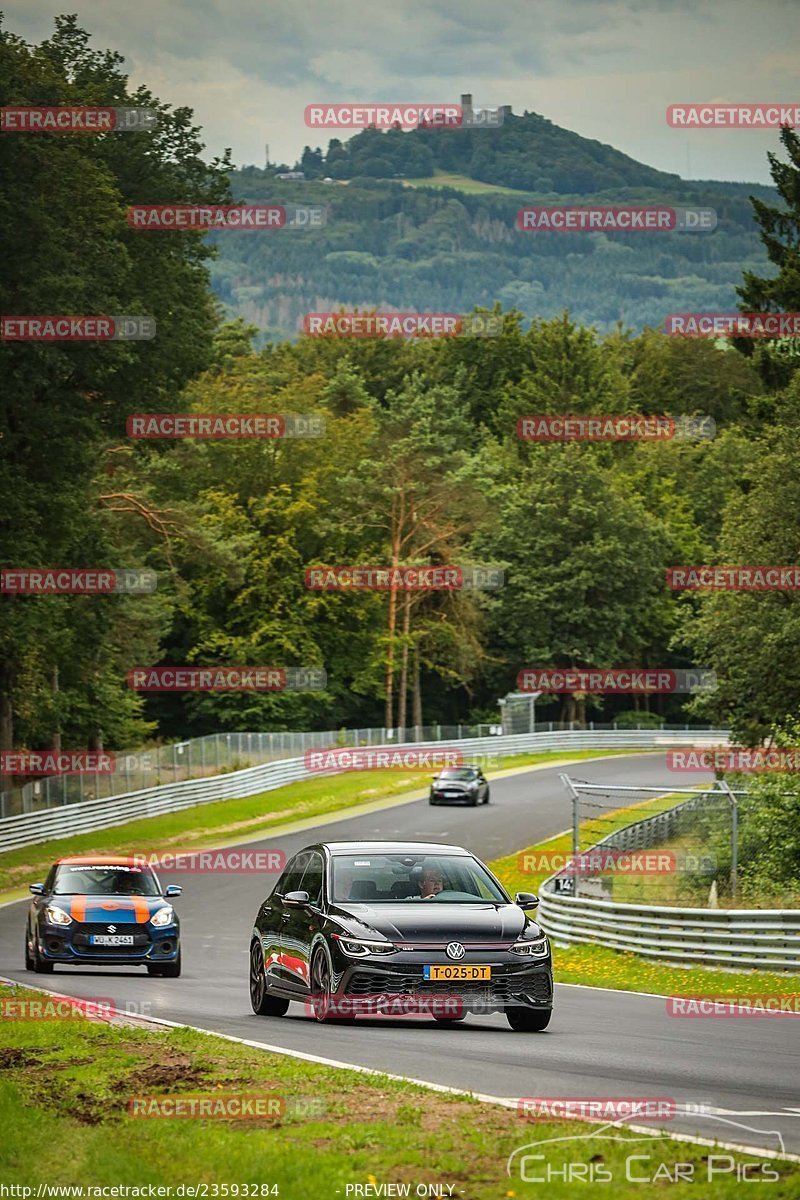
pixel 765 938
pixel 27 829
pixel 219 753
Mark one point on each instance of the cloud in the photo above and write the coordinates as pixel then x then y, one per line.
pixel 605 68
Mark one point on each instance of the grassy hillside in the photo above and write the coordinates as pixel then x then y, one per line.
pixel 412 245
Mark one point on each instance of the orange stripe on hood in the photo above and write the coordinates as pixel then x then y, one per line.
pixel 139 905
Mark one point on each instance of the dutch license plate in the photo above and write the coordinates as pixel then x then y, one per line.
pixel 112 939
pixel 460 972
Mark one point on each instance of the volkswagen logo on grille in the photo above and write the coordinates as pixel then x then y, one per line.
pixel 454 950
pixel 112 929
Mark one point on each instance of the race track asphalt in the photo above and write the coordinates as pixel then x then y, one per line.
pixel 744 1071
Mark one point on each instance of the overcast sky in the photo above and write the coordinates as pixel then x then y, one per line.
pixel 604 68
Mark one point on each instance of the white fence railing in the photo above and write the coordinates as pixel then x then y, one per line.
pixel 27 829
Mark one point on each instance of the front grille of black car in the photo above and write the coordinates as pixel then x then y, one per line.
pixel 80 940
pixel 501 987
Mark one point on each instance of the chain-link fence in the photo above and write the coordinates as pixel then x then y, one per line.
pixel 519 715
pixel 198 758
pixel 635 844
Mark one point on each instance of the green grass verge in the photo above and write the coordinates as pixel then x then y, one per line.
pixel 597 966
pixel 228 820
pixel 65 1087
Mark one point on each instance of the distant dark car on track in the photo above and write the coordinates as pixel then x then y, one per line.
pixel 351 927
pixel 102 911
pixel 459 785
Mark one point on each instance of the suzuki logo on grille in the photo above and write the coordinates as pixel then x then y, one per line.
pixel 112 929
pixel 454 950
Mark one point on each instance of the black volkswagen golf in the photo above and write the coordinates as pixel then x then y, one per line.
pixel 363 928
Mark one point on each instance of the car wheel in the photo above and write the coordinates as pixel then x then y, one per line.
pixel 321 990
pixel 262 1004
pixel 473 800
pixel 431 800
pixel 528 1020
pixel 28 955
pixel 40 965
pixel 170 970
pixel 486 797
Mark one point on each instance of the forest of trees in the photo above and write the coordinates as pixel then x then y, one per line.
pixel 420 463
pixel 442 249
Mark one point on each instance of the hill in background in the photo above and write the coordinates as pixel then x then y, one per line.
pixel 426 220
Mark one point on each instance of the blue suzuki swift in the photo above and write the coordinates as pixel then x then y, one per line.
pixel 103 911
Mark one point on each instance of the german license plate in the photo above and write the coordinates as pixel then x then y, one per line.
pixel 457 972
pixel 112 939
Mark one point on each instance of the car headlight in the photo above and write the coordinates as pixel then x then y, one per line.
pixel 534 947
pixel 57 916
pixel 163 916
pixel 363 947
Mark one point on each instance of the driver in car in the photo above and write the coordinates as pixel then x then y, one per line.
pixel 430 883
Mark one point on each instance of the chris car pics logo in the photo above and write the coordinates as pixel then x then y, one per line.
pixel 648 1157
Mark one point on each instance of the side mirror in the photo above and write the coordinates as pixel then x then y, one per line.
pixel 526 900
pixel 36 888
pixel 174 889
pixel 296 899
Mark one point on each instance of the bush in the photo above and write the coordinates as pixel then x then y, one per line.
pixel 630 719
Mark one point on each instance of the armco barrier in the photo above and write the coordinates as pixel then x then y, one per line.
pixel 27 829
pixel 766 938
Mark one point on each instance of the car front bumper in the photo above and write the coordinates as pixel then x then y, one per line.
pixel 59 944
pixel 514 981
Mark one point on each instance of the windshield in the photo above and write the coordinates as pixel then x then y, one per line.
pixel 457 773
pixel 412 878
pixel 88 880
